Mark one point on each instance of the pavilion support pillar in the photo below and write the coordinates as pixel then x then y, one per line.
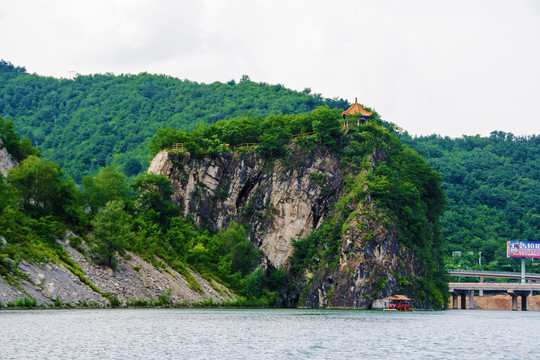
pixel 454 301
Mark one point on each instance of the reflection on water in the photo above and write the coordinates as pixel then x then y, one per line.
pixel 266 334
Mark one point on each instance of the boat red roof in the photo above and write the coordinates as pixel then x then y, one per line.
pixel 398 297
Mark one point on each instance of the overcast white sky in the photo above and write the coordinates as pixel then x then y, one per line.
pixel 445 67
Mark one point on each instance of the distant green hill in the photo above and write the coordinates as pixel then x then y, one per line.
pixel 93 121
pixel 493 190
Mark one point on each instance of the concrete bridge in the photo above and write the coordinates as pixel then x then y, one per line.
pixel 514 289
pixel 493 274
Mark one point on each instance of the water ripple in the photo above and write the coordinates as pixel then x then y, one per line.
pixel 267 334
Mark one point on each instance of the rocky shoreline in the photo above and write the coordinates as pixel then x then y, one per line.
pixel 135 281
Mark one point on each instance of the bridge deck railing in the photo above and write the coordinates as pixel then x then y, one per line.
pixel 490 272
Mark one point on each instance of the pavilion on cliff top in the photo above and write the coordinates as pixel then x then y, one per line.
pixel 357 109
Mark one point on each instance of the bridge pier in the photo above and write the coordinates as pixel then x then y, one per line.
pixel 515 290
pixel 524 301
pixel 514 302
pixel 524 295
pixel 463 294
pixel 481 292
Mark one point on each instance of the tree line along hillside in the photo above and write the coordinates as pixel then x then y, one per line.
pixel 94 121
pixel 493 189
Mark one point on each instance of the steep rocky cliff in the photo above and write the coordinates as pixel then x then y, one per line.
pixel 280 201
pixel 350 251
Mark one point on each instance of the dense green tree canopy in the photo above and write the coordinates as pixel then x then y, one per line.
pixel 107 185
pixel 493 190
pixel 42 187
pixel 154 197
pixel 111 232
pixel 16 147
pixel 94 121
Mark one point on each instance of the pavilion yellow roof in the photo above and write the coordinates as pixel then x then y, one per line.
pixel 357 109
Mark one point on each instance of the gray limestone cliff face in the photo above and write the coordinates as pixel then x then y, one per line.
pixel 6 161
pixel 280 201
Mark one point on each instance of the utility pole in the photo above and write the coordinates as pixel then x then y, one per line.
pixel 523 280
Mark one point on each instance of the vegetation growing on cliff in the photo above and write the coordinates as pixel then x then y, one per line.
pixel 145 221
pixel 269 134
pixel 93 121
pixel 16 147
pixel 404 188
pixel 36 205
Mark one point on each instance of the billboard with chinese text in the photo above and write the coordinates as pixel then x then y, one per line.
pixel 523 249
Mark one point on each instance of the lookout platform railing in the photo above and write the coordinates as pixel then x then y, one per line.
pixel 244 145
pixel 178 146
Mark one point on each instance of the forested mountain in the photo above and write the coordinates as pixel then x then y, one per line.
pixel 491 183
pixel 493 189
pixel 93 121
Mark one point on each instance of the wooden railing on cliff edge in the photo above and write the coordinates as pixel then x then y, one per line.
pixel 178 146
pixel 244 145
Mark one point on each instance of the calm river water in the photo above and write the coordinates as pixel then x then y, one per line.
pixel 268 334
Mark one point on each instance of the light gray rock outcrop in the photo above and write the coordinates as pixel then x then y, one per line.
pixel 134 279
pixel 6 160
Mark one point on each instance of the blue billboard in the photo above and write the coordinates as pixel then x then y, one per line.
pixel 523 249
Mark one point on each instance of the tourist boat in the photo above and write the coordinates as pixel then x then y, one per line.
pixel 398 303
